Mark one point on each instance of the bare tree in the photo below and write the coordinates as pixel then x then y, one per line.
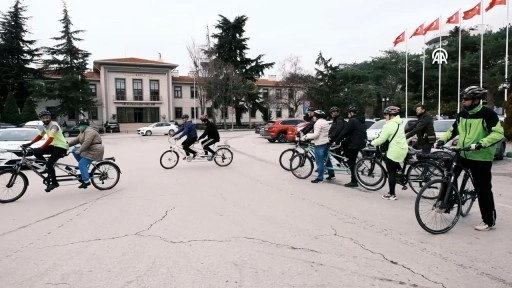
pixel 294 84
pixel 198 67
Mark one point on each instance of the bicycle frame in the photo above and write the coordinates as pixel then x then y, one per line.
pixel 174 146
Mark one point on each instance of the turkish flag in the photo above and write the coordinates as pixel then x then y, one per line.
pixel 494 3
pixel 432 26
pixel 399 39
pixel 454 19
pixel 471 12
pixel 418 31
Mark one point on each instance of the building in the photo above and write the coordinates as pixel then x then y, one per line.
pixel 134 90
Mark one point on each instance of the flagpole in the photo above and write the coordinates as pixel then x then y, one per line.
pixel 439 80
pixel 506 55
pixel 482 44
pixel 423 75
pixel 458 76
pixel 406 74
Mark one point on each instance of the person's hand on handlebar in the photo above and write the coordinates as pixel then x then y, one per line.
pixel 439 144
pixel 475 147
pixel 26 145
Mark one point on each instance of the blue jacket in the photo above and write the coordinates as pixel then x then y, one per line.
pixel 188 130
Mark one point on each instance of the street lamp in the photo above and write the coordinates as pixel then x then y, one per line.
pixel 384 102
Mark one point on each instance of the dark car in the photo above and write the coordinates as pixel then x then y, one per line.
pixel 70 131
pixel 112 126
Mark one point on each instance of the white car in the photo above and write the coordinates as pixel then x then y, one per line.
pixel 11 139
pixel 441 126
pixel 159 128
pixel 374 130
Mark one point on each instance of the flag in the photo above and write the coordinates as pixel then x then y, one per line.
pixel 418 31
pixel 471 12
pixel 454 19
pixel 399 39
pixel 432 26
pixel 494 3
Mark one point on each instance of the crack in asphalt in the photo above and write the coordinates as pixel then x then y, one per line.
pixel 354 241
pixel 279 245
pixel 57 284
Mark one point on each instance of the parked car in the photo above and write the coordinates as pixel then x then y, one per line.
pixel 11 139
pixel 7 125
pixel 34 124
pixel 374 130
pixel 112 126
pixel 159 128
pixel 281 130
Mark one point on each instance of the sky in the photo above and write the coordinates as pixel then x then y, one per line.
pixel 347 31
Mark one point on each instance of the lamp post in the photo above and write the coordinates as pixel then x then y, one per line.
pixel 384 102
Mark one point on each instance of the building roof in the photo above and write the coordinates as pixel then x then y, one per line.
pixel 132 61
pixel 267 82
pixel 259 82
pixel 183 79
pixel 90 75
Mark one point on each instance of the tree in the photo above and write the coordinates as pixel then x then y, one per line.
pixel 16 55
pixel 28 113
pixel 295 83
pixel 11 113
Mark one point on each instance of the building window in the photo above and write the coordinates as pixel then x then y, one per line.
pixel 177 92
pixel 93 114
pixel 154 90
pixel 194 112
pixel 92 87
pixel 178 112
pixel 290 95
pixel 193 92
pixel 264 91
pixel 137 89
pixel 291 113
pixel 279 113
pixel 120 89
pixel 279 94
pixel 138 115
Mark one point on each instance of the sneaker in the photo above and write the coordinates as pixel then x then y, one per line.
pixel 389 197
pixel 330 178
pixel 439 207
pixel 351 184
pixel 317 181
pixel 84 185
pixel 51 186
pixel 484 227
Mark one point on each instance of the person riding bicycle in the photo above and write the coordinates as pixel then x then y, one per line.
pixel 309 117
pixel 397 151
pixel 478 127
pixel 189 130
pixel 355 135
pixel 56 146
pixel 211 134
pixel 91 149
pixel 338 123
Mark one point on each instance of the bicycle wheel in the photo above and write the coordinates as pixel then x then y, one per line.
pixel 105 175
pixel 169 159
pixel 421 172
pixel 429 214
pixel 13 191
pixel 370 174
pixel 301 165
pixel 223 157
pixel 284 158
pixel 467 194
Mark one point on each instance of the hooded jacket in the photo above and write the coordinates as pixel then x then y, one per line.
pixel 398 146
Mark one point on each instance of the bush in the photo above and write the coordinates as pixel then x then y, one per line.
pixel 11 113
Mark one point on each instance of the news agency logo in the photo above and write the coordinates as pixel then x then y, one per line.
pixel 439 56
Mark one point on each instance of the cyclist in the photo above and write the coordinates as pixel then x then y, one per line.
pixel 478 127
pixel 338 123
pixel 423 129
pixel 189 130
pixel 320 137
pixel 355 134
pixel 309 117
pixel 55 146
pixel 397 151
pixel 90 150
pixel 211 134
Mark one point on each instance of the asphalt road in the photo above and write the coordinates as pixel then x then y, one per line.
pixel 250 224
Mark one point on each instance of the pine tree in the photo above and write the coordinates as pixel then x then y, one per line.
pixel 69 62
pixel 16 55
pixel 28 113
pixel 11 113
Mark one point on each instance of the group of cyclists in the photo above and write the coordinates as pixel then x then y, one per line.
pixel 477 127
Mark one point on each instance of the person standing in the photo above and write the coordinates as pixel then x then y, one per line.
pixel 320 137
pixel 423 129
pixel 338 123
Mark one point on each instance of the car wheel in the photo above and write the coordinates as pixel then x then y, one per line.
pixel 281 137
pixel 271 140
pixel 149 133
pixel 171 133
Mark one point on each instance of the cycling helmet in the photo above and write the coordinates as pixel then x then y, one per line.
pixel 44 113
pixel 83 122
pixel 474 92
pixel 319 114
pixel 352 109
pixel 334 109
pixel 203 117
pixel 391 110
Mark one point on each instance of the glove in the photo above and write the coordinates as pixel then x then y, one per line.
pixel 26 145
pixel 476 146
pixel 36 150
pixel 439 144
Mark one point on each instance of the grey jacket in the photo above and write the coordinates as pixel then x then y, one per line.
pixel 90 144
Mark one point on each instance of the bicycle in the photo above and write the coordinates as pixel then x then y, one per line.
pixel 301 164
pixel 223 156
pixel 372 175
pixel 300 147
pixel 445 197
pixel 99 174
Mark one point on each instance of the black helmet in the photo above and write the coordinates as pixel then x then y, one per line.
pixel 44 113
pixel 83 122
pixel 319 114
pixel 334 109
pixel 352 108
pixel 474 92
pixel 391 110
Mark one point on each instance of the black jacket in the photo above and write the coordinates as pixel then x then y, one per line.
pixel 355 133
pixel 308 127
pixel 422 129
pixel 337 126
pixel 211 132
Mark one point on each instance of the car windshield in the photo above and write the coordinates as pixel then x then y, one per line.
pixel 18 135
pixel 442 126
pixel 378 125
